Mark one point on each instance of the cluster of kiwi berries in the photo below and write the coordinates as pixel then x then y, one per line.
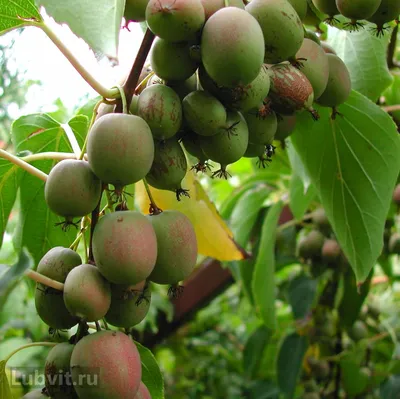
pixel 227 78
pixel 128 252
pixel 378 12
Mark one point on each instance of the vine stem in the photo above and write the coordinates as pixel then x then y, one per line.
pixel 134 74
pixel 24 165
pixel 58 156
pixel 93 222
pixel 96 85
pixel 40 278
pixel 391 108
pixel 29 346
pixel 154 209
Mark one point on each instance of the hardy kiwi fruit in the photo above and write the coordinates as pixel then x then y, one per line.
pixel 310 246
pixel 300 7
pixel 161 108
pixel 72 189
pixel 204 114
pixel 387 11
pixel 232 47
pixel 338 88
pixel 285 127
pixel 281 26
pixel 135 10
pixel 124 247
pixel 262 126
pixel 254 150
pixel 331 251
pixel 57 372
pixel 114 357
pixel 143 392
pixel 356 9
pixel 175 20
pixel 120 149
pixel 326 7
pixel 177 247
pixel 87 293
pixel 129 304
pixel 315 66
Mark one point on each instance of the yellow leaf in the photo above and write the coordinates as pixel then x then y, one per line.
pixel 214 237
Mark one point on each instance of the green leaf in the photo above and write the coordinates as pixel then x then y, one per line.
pixel 263 389
pixel 353 162
pixel 353 299
pixel 254 351
pixel 298 166
pixel 10 177
pixel 365 57
pixel 392 95
pixel 301 295
pixel 80 126
pixel 290 360
pixel 13 12
pixel 263 285
pixel 5 391
pixel 12 273
pixel 151 374
pixel 98 22
pixel 300 198
pixel 37 228
pixel 354 380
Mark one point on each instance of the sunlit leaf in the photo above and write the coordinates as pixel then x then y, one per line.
pixel 98 22
pixel 263 278
pixel 13 13
pixel 151 374
pixel 353 161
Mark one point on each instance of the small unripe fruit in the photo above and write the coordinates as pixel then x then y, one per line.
pixel 232 47
pixel 254 150
pixel 320 219
pixel 310 246
pixel 124 247
pixel 356 10
pixel 387 11
pixel 177 247
pixel 300 7
pixel 87 293
pixel 135 10
pixel 57 372
pixel 331 251
pixel 326 7
pixel 120 149
pixel 338 88
pixel 358 331
pixel 262 126
pixel 129 304
pixel 72 189
pixel 113 356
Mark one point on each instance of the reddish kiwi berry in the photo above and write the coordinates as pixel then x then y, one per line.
pixel 394 244
pixel 143 392
pixel 175 20
pixel 315 65
pixel 87 293
pixel 338 88
pixel 396 195
pixel 290 90
pixel 56 264
pixel 169 167
pixel 281 26
pixel 161 108
pixel 72 189
pixel 177 247
pixel 204 114
pixel 125 247
pixel 172 61
pixel 310 246
pixel 115 358
pixel 57 372
pixel 232 47
pixel 129 304
pixel 120 149
pixel 331 251
pixel 135 10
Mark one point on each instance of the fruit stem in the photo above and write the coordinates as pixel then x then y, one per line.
pixel 58 156
pixel 98 328
pixel 294 222
pixel 96 85
pixel 226 3
pixel 123 100
pixel 72 140
pixel 40 278
pixel 105 324
pixel 24 165
pixel 144 81
pixel 94 220
pixel 94 115
pixel 133 78
pixel 29 346
pixel 392 108
pixel 154 209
